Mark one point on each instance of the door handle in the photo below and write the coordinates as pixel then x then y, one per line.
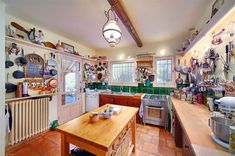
pixel 156 108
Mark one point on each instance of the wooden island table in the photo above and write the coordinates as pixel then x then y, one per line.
pixel 114 136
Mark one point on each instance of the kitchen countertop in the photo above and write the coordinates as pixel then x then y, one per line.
pixel 101 134
pixel 121 93
pixel 194 121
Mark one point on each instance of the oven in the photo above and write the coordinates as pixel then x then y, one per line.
pixel 155 110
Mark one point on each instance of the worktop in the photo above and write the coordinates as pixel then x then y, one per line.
pixel 194 121
pixel 99 137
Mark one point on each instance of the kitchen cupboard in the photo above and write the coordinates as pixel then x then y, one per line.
pixel 180 137
pixel 132 101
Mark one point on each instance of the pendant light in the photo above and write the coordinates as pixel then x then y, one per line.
pixel 111 31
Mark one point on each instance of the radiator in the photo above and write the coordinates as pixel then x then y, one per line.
pixel 29 117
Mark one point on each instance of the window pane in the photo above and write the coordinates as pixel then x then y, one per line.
pixel 123 72
pixel 164 71
pixel 68 99
pixel 69 82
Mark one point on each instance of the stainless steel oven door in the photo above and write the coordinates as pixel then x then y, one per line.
pixel 154 113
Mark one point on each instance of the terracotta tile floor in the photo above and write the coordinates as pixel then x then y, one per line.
pixel 151 141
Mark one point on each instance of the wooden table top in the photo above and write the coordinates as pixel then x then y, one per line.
pixel 101 133
pixel 194 121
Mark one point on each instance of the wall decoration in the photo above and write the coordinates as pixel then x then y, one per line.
pixel 35 66
pixel 216 6
pixel 67 47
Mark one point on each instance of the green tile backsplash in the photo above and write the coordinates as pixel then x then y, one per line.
pixel 140 89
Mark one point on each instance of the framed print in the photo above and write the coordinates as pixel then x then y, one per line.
pixel 67 47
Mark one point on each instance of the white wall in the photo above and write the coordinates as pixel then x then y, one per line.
pixel 163 48
pixel 2 81
pixel 50 36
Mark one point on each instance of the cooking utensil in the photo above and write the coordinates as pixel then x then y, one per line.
pixel 52 82
pixel 220 127
pixel 21 60
pixel 49 45
pixel 16 25
pixel 51 62
pixel 45 69
pixel 18 74
pixel 9 87
pixel 8 62
pixel 53 72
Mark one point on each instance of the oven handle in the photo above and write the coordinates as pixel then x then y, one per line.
pixel 157 108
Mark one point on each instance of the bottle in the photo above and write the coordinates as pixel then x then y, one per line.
pixel 19 90
pixel 179 80
pixel 25 89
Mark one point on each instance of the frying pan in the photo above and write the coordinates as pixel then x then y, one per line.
pixel 8 62
pixel 21 60
pixel 18 74
pixel 10 87
pixel 53 72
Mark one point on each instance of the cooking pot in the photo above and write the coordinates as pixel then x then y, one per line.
pixel 10 87
pixel 18 74
pixel 220 127
pixel 228 101
pixel 53 72
pixel 21 60
pixel 8 62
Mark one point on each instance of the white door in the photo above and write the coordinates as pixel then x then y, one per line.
pixel 70 89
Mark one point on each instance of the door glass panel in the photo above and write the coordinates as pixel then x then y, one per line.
pixel 69 81
pixel 68 98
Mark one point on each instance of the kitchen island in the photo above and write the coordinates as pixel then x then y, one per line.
pixel 104 137
pixel 195 131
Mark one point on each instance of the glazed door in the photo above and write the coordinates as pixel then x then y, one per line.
pixel 70 89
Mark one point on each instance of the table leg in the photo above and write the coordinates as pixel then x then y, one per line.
pixel 64 146
pixel 133 131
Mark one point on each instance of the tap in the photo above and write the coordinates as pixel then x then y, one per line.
pixel 121 88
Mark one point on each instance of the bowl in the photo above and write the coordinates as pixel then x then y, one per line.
pixel 94 118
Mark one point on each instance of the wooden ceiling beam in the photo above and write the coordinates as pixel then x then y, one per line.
pixel 121 13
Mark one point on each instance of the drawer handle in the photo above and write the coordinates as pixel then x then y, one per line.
pixel 157 108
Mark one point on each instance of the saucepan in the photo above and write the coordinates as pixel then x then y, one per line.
pixel 8 62
pixel 10 87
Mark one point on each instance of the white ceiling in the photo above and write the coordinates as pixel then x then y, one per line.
pixel 82 20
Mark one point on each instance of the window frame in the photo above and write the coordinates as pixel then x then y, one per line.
pixel 164 84
pixel 121 83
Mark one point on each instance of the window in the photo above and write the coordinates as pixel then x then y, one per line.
pixel 123 72
pixel 164 70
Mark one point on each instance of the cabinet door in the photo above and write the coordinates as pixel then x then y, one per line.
pixel 177 131
pixel 135 102
pixel 120 100
pixel 187 149
pixel 106 100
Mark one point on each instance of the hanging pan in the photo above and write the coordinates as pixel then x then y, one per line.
pixel 9 87
pixel 21 60
pixel 8 62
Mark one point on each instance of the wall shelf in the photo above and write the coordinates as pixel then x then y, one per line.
pixel 29 97
pixel 226 9
pixel 27 43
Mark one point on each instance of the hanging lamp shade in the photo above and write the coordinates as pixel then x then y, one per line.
pixel 111 31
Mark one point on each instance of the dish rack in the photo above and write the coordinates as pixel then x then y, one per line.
pixel 123 145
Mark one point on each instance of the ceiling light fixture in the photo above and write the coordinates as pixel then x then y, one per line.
pixel 111 31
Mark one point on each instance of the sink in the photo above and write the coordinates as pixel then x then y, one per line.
pixel 118 93
pixel 123 93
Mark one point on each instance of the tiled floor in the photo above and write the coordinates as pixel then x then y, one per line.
pixel 151 141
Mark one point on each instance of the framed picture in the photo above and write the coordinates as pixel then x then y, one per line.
pixel 216 6
pixel 67 47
